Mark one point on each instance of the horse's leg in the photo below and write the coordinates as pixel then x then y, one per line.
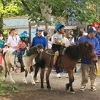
pixel 21 63
pixel 42 77
pixel 32 79
pixel 26 73
pixel 11 78
pixel 71 80
pixel 75 69
pixel 36 72
pixel 47 78
pixel 37 67
pixel 5 74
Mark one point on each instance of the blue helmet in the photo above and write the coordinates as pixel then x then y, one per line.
pixel 58 26
pixel 23 35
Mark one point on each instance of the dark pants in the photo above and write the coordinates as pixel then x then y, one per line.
pixel 55 48
pixel 37 66
pixel 19 51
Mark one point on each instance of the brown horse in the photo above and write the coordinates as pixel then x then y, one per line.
pixel 27 60
pixel 68 60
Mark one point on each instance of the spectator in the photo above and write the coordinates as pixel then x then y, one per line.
pixel 65 41
pixel 98 35
pixel 38 39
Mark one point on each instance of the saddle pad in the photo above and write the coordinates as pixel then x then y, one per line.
pixel 49 52
pixel 25 53
pixel 63 51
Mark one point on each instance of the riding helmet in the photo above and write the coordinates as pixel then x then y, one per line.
pixel 58 26
pixel 23 35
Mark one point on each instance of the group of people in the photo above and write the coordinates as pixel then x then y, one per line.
pixel 58 39
pixel 15 43
pixel 88 66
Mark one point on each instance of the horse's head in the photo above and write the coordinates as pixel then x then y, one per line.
pixel 87 50
pixel 39 48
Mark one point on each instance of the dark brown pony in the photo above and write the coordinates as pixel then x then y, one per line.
pixel 68 60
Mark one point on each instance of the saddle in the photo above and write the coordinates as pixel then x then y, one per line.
pixel 51 53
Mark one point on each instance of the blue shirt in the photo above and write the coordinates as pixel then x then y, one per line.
pixel 39 40
pixel 93 41
pixel 98 37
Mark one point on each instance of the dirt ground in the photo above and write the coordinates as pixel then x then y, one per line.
pixel 58 92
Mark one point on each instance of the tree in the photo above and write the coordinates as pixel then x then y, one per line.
pixel 8 8
pixel 79 9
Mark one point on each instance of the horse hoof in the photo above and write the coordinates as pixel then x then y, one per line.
pixel 72 92
pixel 42 88
pixel 3 79
pixel 37 81
pixel 67 87
pixel 49 88
pixel 25 82
pixel 33 83
pixel 13 82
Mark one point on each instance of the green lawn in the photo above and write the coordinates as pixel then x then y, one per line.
pixel 7 88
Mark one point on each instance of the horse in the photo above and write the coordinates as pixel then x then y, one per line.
pixel 68 59
pixel 27 59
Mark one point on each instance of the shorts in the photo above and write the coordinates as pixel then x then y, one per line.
pixel 56 47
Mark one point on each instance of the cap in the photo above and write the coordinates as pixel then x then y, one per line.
pixel 92 29
pixel 39 29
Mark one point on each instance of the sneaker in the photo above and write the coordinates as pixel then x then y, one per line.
pixel 82 88
pixel 58 75
pixel 36 80
pixel 93 88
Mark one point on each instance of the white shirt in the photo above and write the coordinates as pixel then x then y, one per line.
pixel 66 41
pixel 13 41
pixel 71 40
pixel 49 44
pixel 56 36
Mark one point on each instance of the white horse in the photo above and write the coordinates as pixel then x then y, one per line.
pixel 27 62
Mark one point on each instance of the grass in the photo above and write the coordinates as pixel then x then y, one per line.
pixel 7 88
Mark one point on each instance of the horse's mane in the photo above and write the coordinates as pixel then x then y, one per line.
pixel 32 50
pixel 73 52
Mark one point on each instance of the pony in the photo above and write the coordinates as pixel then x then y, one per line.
pixel 68 59
pixel 27 59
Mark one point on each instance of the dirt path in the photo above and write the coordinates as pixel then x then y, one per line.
pixel 30 92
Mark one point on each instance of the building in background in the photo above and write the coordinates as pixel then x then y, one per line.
pixel 19 23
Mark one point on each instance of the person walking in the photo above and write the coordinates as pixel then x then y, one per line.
pixel 38 39
pixel 88 66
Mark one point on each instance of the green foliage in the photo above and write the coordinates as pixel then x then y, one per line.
pixel 37 11
pixel 7 88
pixel 62 8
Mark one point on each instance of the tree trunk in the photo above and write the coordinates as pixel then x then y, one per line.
pixel 1 22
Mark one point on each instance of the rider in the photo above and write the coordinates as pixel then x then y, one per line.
pixel 13 40
pixel 21 45
pixel 57 41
